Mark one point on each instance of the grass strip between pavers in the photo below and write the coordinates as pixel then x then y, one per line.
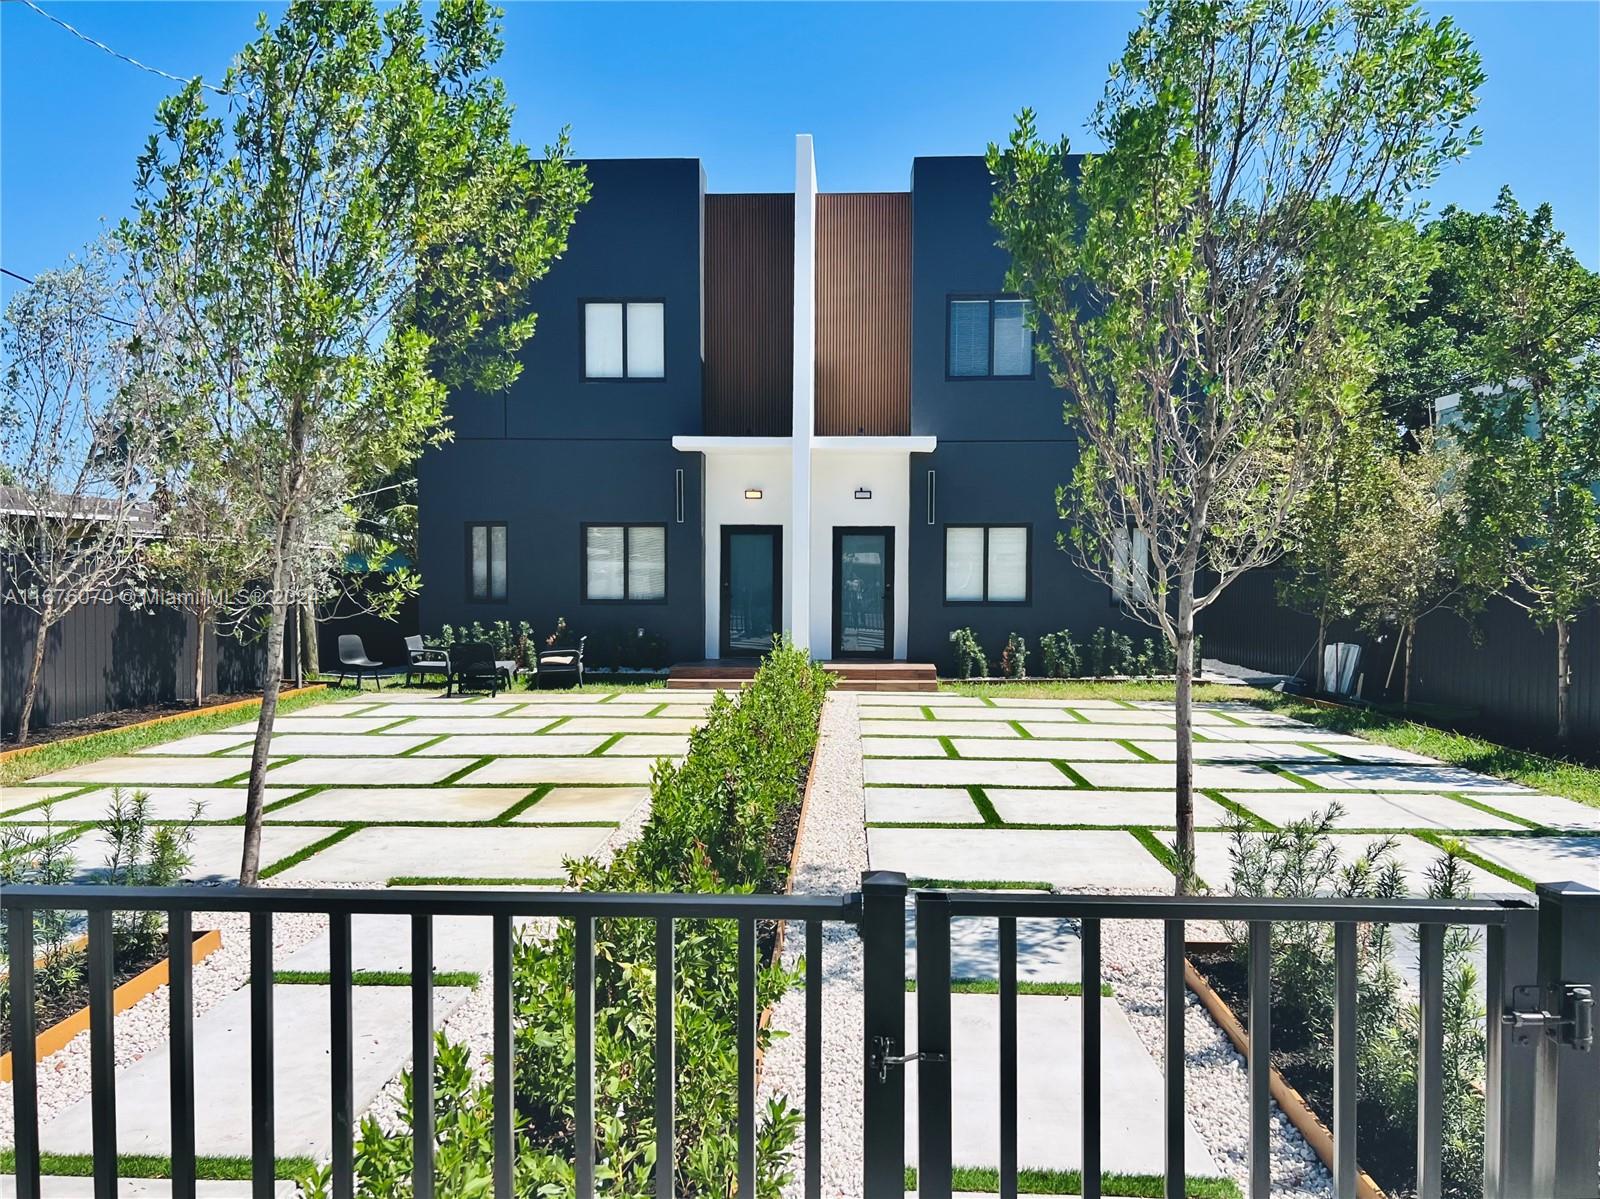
pixel 1448 844
pixel 986 1180
pixel 301 855
pixel 1259 823
pixel 1161 852
pixel 991 986
pixel 150 1165
pixel 523 804
pixel 52 756
pixel 980 800
pixel 462 880
pixel 375 978
pixel 979 884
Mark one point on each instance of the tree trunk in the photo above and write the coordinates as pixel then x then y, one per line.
pixel 200 627
pixel 1405 682
pixel 1563 679
pixel 1183 783
pixel 30 693
pixel 271 683
pixel 1322 652
pixel 308 639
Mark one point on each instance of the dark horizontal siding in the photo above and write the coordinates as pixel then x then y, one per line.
pixel 1499 669
pixel 749 290
pixel 863 314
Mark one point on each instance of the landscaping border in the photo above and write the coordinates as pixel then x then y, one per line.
pixel 124 997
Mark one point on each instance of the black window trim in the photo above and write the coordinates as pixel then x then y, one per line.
pixel 472 596
pixel 627 582
pixel 986 602
pixel 583 339
pixel 989 376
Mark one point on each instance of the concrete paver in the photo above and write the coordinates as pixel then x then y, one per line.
pixel 364 804
pixel 955 772
pixel 1066 858
pixel 584 803
pixel 644 745
pixel 166 803
pixel 340 745
pixel 1414 856
pixel 942 805
pixel 1429 777
pixel 506 851
pixel 368 772
pixel 1155 775
pixel 938 728
pixel 434 726
pixel 310 722
pixel 562 770
pixel 1048 951
pixel 1404 810
pixel 555 745
pixel 1544 859
pixel 1038 747
pixel 196 746
pixel 665 723
pixel 1022 806
pixel 134 771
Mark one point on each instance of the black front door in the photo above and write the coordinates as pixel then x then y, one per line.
pixel 863 593
pixel 752 588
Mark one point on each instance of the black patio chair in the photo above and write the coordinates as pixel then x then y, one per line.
pixel 472 668
pixel 565 661
pixel 353 660
pixel 423 660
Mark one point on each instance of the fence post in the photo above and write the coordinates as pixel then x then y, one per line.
pixel 1566 1138
pixel 1512 959
pixel 883 1034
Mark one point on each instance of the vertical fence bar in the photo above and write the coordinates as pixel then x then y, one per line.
pixel 341 1049
pixel 1344 1060
pixel 263 1129
pixel 1260 1059
pixel 1566 1141
pixel 1008 1057
pixel 747 1057
pixel 583 1053
pixel 505 1067
pixel 813 1184
pixel 1430 1063
pixel 666 1063
pixel 1089 937
pixel 883 1022
pixel 1511 955
pixel 1173 1006
pixel 180 1024
pixel 933 1042
pixel 24 1065
pixel 102 1054
pixel 422 1056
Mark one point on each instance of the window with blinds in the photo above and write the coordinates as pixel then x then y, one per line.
pixel 624 339
pixel 989 338
pixel 986 564
pixel 624 563
pixel 486 562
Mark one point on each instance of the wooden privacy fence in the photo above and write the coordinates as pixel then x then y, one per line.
pixel 1499 667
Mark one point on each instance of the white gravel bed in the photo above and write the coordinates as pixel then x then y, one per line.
pixel 1216 1084
pixel 64 1075
pixel 833 853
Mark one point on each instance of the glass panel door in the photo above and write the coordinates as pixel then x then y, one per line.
pixel 752 588
pixel 863 578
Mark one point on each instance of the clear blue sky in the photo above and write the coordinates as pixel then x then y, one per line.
pixel 732 84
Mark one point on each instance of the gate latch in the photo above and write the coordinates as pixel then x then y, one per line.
pixel 1565 1011
pixel 883 1056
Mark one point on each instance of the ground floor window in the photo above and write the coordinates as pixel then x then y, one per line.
pixel 986 564
pixel 486 562
pixel 624 563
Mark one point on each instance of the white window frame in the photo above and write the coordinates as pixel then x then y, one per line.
pixel 985 600
pixel 629 374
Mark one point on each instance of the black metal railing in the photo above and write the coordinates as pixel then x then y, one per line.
pixel 1542 1089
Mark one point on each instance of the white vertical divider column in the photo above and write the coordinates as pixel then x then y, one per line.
pixel 805 385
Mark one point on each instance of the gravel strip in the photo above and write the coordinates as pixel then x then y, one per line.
pixel 142 1029
pixel 833 853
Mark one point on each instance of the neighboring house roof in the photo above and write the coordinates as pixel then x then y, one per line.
pixel 19 501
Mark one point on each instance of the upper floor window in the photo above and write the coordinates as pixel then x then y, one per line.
pixel 486 562
pixel 989 338
pixel 986 564
pixel 624 563
pixel 1130 567
pixel 624 339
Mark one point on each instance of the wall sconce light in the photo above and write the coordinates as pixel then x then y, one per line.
pixel 752 493
pixel 863 494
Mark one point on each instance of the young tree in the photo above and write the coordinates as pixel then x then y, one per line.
pixel 359 235
pixel 1205 284
pixel 1398 550
pixel 1530 523
pixel 79 409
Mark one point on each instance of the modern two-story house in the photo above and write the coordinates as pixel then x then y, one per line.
pixel 813 411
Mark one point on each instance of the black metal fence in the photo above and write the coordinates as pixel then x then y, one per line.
pixel 1497 669
pixel 1542 1092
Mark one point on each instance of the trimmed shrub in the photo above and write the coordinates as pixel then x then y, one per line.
pixel 1061 657
pixel 1014 658
pixel 971 662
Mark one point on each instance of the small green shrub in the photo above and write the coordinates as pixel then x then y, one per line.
pixel 971 663
pixel 1062 660
pixel 447 636
pixel 1014 658
pixel 138 855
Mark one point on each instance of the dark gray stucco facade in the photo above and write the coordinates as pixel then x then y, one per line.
pixel 556 451
pixel 1003 444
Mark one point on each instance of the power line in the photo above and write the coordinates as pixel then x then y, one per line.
pixel 105 316
pixel 78 33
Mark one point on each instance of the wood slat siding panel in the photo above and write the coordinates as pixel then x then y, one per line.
pixel 749 288
pixel 1505 668
pixel 863 314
